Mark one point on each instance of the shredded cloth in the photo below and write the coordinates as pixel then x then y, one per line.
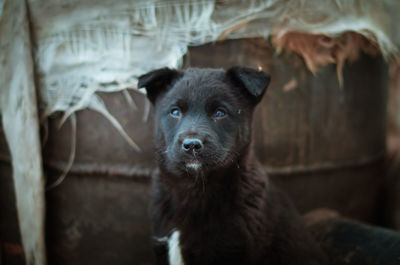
pixel 87 46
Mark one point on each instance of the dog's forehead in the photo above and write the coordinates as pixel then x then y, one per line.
pixel 203 74
pixel 200 84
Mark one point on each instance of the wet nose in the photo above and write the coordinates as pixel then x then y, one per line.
pixel 192 144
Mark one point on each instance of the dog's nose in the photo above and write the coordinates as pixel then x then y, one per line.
pixel 192 144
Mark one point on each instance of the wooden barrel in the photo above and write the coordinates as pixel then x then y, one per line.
pixel 322 143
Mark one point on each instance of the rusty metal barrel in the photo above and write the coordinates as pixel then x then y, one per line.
pixel 322 143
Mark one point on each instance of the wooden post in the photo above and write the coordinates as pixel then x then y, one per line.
pixel 19 114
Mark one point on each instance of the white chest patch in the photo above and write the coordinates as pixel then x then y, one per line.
pixel 174 250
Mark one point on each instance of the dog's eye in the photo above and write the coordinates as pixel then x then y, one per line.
pixel 175 112
pixel 219 113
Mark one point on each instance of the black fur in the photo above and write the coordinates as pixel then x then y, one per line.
pixel 226 210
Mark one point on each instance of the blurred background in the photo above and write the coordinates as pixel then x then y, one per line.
pixel 76 151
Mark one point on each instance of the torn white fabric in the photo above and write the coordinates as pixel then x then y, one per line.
pixel 19 115
pixel 87 46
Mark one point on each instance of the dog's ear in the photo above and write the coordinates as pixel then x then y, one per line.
pixel 253 83
pixel 157 81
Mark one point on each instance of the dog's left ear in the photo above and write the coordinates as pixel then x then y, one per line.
pixel 253 83
pixel 157 82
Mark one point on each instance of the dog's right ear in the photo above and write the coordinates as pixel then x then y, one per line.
pixel 252 82
pixel 157 81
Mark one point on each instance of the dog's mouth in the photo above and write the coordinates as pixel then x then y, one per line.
pixel 210 158
pixel 193 165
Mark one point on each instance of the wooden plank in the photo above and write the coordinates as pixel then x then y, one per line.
pixel 20 122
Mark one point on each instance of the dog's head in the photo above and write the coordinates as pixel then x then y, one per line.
pixel 202 116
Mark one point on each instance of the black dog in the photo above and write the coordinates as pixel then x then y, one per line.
pixel 212 202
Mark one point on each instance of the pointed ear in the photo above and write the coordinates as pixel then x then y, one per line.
pixel 253 83
pixel 157 81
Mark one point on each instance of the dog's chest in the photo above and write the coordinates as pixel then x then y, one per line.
pixel 174 249
pixel 200 247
